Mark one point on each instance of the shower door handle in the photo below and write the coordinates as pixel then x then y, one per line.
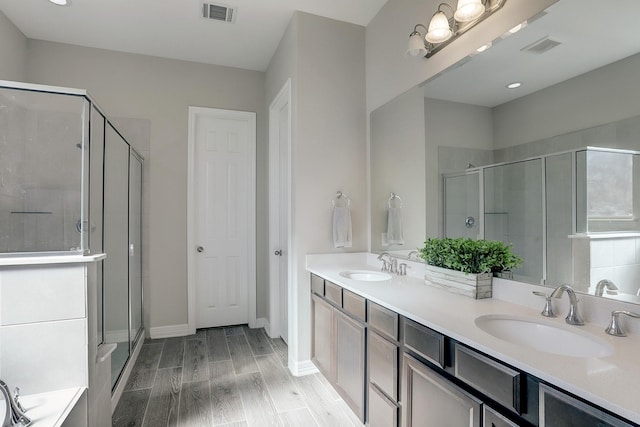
pixel 200 249
pixel 278 252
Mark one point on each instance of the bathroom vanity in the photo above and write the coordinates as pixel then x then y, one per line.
pixel 401 352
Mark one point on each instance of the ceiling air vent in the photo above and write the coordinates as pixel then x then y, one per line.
pixel 541 46
pixel 219 12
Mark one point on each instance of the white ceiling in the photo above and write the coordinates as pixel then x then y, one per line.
pixel 175 28
pixel 593 33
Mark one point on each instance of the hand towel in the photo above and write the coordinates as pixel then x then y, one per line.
pixel 342 227
pixel 395 235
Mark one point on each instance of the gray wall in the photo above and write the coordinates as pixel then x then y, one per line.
pixel 13 51
pixel 325 59
pixel 397 158
pixel 160 90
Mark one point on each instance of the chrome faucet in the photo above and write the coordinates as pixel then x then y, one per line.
pixel 393 268
pixel 14 414
pixel 615 328
pixel 573 318
pixel 386 263
pixel 605 283
pixel 416 253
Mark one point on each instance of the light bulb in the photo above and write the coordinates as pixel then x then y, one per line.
pixel 416 45
pixel 468 10
pixel 439 29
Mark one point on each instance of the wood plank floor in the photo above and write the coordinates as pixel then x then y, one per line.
pixel 233 376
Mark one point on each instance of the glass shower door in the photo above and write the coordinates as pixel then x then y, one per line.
pixel 135 245
pixel 462 206
pixel 116 246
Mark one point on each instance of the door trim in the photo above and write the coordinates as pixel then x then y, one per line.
pixel 282 98
pixel 191 210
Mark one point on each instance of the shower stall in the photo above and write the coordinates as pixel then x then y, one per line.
pixel 545 206
pixel 71 184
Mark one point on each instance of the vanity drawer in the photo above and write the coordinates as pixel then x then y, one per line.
pixel 383 364
pixel 558 409
pixel 333 292
pixel 317 285
pixel 354 304
pixel 488 376
pixel 424 341
pixel 383 320
pixel 491 418
pixel 382 411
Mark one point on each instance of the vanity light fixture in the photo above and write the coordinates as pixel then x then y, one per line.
pixel 61 2
pixel 514 85
pixel 443 28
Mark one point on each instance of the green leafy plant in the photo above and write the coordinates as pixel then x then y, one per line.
pixel 469 256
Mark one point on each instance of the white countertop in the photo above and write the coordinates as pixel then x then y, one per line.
pixel 611 382
pixel 50 259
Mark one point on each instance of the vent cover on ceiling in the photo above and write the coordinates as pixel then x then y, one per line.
pixel 219 12
pixel 542 45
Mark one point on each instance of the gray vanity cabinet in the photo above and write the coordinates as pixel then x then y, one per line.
pixel 338 342
pixel 322 342
pixel 350 357
pixel 428 399
pixel 383 380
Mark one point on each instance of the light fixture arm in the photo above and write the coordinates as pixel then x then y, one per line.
pixel 415 30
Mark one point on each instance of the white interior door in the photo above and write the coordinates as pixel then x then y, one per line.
pixel 224 209
pixel 279 211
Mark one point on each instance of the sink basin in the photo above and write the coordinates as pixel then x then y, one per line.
pixel 366 275
pixel 544 335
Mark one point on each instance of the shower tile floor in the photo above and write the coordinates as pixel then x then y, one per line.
pixel 232 376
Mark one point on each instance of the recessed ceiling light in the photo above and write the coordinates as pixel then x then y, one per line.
pixel 514 85
pixel 517 28
pixel 483 47
pixel 61 2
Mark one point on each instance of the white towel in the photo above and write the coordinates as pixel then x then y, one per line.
pixel 395 235
pixel 342 227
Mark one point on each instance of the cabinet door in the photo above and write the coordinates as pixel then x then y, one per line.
pixel 383 364
pixel 561 410
pixel 321 346
pixel 350 356
pixel 382 411
pixel 428 399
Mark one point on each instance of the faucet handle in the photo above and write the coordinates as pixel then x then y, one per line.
pixel 615 328
pixel 547 311
pixel 402 269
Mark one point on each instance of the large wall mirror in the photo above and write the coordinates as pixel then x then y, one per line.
pixel 550 166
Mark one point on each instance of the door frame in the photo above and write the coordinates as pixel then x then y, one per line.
pixel 191 209
pixel 274 330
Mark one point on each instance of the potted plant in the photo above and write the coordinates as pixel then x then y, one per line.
pixel 466 266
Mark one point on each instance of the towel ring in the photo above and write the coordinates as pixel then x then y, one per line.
pixel 394 196
pixel 341 196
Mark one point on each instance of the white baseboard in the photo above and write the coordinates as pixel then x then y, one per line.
pixel 263 322
pixel 170 331
pixel 300 369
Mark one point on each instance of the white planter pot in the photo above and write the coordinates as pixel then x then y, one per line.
pixel 476 286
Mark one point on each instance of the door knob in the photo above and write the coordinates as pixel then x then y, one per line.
pixel 278 252
pixel 200 249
